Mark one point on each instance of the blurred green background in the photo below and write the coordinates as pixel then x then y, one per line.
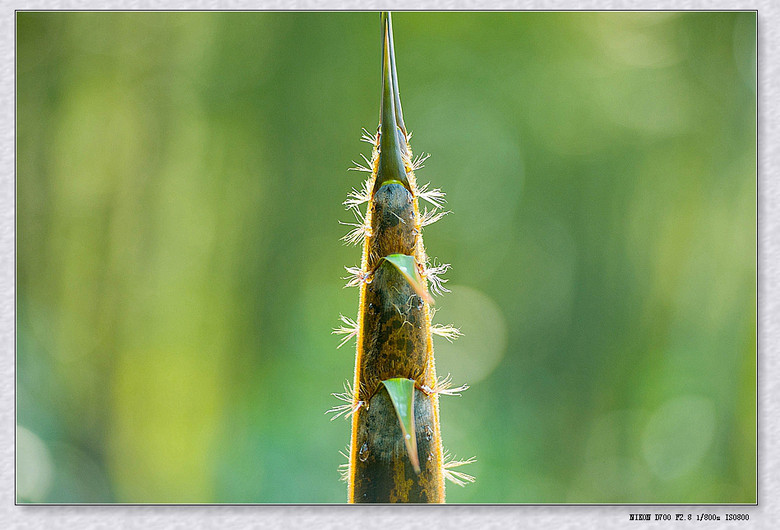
pixel 179 181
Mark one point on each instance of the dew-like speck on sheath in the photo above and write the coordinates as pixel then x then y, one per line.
pixel 395 452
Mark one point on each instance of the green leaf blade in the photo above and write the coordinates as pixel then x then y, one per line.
pixel 407 266
pixel 401 391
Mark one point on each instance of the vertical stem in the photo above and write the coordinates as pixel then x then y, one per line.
pixel 394 335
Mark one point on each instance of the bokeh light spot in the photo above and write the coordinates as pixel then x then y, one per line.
pixel 476 354
pixel 678 435
pixel 33 467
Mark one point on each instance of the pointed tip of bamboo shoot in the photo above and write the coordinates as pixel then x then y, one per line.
pixel 401 391
pixel 392 135
pixel 399 115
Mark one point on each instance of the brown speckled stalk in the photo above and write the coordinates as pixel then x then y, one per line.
pixel 394 328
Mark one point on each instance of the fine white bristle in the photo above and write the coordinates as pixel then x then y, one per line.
pixel 350 405
pixel 434 196
pixel 419 161
pixel 444 386
pixel 457 477
pixel 428 217
pixel 349 330
pixel 447 331
pixel 356 276
pixel 360 231
pixel 357 197
pixel 368 137
pixel 433 273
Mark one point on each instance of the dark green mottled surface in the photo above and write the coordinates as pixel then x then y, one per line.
pixel 382 449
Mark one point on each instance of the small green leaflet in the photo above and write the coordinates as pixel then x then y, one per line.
pixel 407 266
pixel 401 392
